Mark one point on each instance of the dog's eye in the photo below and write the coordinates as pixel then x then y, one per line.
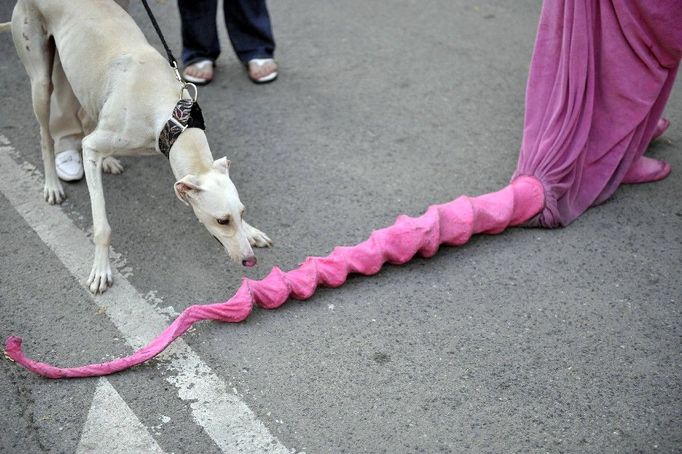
pixel 224 221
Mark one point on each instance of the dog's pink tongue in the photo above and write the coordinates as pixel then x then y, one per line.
pixel 249 262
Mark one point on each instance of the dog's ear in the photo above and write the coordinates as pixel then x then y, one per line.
pixel 222 164
pixel 185 187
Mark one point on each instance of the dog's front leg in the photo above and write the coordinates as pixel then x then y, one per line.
pixel 100 276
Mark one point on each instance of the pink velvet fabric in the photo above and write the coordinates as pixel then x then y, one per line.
pixel 451 224
pixel 600 76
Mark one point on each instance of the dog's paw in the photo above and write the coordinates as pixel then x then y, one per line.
pixel 100 278
pixel 54 193
pixel 112 165
pixel 258 238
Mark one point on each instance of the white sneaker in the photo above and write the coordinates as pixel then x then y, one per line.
pixel 69 165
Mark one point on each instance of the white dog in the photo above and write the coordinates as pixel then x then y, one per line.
pixel 131 97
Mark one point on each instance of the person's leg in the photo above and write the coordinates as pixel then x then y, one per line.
pixel 65 126
pixel 249 28
pixel 200 44
pixel 199 32
pixel 248 25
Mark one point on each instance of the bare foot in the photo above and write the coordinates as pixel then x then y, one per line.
pixel 647 170
pixel 199 72
pixel 262 70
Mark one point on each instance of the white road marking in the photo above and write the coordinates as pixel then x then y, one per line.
pixel 224 416
pixel 112 427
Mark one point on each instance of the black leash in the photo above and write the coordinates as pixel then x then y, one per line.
pixel 171 57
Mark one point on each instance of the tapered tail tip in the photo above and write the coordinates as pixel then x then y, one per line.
pixel 13 348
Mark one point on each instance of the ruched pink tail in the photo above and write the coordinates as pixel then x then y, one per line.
pixel 451 224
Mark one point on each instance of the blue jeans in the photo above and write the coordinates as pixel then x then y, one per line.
pixel 247 22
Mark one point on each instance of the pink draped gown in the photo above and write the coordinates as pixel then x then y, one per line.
pixel 600 77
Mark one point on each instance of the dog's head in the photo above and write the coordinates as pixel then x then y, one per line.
pixel 215 202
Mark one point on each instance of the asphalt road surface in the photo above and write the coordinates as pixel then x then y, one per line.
pixel 530 341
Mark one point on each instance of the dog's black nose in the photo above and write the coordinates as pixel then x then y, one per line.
pixel 251 261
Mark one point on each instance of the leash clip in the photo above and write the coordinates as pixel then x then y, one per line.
pixel 193 93
pixel 177 72
pixel 186 86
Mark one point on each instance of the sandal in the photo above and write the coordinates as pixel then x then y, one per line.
pixel 203 72
pixel 262 70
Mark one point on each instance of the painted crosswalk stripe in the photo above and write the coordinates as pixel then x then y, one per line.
pixel 215 407
pixel 112 427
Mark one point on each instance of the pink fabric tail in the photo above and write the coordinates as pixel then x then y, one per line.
pixel 451 224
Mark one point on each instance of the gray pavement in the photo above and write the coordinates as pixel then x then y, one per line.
pixel 530 341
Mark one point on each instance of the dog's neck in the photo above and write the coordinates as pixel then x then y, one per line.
pixel 190 154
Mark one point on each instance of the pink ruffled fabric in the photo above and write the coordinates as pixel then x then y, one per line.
pixel 451 224
pixel 600 76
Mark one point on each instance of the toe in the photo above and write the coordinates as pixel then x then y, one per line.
pixel 261 240
pixel 262 70
pixel 112 165
pixel 202 70
pixel 103 284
